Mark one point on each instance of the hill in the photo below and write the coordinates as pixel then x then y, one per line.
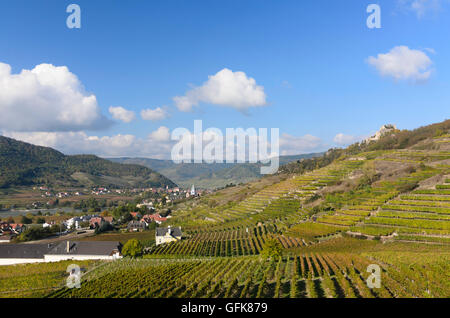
pixel 24 164
pixel 383 204
pixel 406 172
pixel 208 176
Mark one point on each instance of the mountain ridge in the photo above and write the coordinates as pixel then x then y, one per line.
pixel 24 164
pixel 205 175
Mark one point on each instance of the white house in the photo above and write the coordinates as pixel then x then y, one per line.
pixel 167 235
pixel 11 254
pixel 75 222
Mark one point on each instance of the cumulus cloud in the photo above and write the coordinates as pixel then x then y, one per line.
pixel 161 134
pixel 154 114
pixel 120 113
pixel 46 98
pixel 225 88
pixel 422 7
pixel 159 144
pixel 155 145
pixel 294 145
pixel 345 140
pixel 403 63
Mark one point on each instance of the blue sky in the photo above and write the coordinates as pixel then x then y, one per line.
pixel 310 58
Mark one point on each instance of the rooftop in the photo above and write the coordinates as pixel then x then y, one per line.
pixel 39 250
pixel 24 250
pixel 161 231
pixel 85 248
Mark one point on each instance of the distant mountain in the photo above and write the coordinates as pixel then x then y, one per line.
pixel 208 176
pixel 23 164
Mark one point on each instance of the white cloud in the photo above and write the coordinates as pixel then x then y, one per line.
pixel 430 50
pixel 158 144
pixel 153 146
pixel 294 145
pixel 46 98
pixel 345 140
pixel 226 88
pixel 161 134
pixel 154 114
pixel 403 63
pixel 422 7
pixel 288 145
pixel 120 113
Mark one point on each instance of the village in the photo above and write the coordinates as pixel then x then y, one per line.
pixel 43 197
pixel 48 241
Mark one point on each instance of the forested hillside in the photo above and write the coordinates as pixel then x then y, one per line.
pixel 23 164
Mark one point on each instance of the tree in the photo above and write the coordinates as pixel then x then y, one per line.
pixel 25 220
pixel 127 217
pixel 103 227
pixel 272 249
pixel 132 248
pixel 40 220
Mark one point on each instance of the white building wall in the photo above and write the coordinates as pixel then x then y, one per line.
pixel 57 258
pixel 14 261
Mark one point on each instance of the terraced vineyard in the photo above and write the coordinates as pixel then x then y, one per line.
pixel 243 241
pixel 221 258
pixel 389 208
pixel 422 217
pixel 310 275
pixel 35 280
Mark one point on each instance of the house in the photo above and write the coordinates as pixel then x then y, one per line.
pixel 67 250
pixel 70 250
pixel 148 218
pixel 6 238
pixel 136 226
pixel 11 254
pixel 136 215
pixel 75 222
pixel 147 205
pixel 95 221
pixel 11 228
pixel 108 219
pixel 50 224
pixel 167 235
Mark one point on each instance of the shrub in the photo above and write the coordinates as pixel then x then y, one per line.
pixel 272 248
pixel 25 220
pixel 133 248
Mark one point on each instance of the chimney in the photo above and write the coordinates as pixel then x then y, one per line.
pixel 68 247
pixel 169 230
